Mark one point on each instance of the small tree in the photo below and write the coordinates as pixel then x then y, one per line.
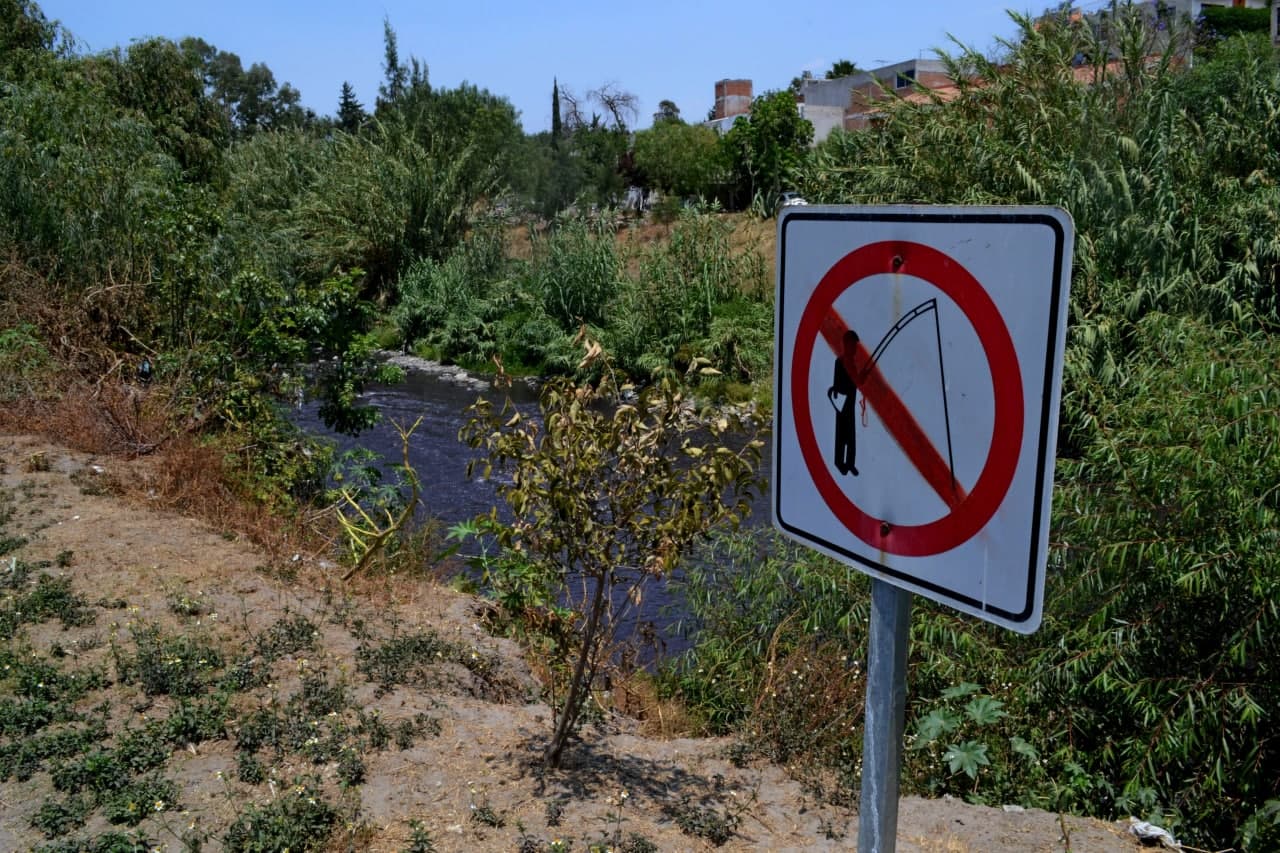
pixel 842 68
pixel 395 73
pixel 768 147
pixel 351 114
pixel 610 493
pixel 684 159
pixel 667 111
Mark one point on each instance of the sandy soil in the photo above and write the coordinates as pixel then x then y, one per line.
pixel 486 751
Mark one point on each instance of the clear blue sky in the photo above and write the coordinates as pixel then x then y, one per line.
pixel 673 49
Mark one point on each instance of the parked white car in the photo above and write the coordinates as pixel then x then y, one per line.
pixel 790 199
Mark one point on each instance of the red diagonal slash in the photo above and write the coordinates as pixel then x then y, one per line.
pixel 897 419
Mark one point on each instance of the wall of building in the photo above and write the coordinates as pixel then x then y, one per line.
pixel 922 70
pixel 831 93
pixel 722 125
pixel 901 78
pixel 848 102
pixel 823 118
pixel 733 97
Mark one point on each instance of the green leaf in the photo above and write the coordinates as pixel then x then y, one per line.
pixel 1021 747
pixel 960 691
pixel 984 710
pixel 936 723
pixel 967 757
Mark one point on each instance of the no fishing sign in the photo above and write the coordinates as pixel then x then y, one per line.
pixel 917 383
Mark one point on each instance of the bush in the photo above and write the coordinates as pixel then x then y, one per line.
pixel 1147 689
pixel 26 369
pixel 449 306
pixel 1223 22
pixel 299 820
pixel 575 272
pixel 1164 604
pixel 1168 173
pixel 755 600
pixel 694 297
pixel 605 497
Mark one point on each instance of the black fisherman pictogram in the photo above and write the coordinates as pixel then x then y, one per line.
pixel 846 386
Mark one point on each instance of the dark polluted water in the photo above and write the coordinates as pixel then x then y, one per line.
pixel 449 496
pixel 434 449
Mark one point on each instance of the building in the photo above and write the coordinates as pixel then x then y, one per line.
pixel 852 102
pixel 849 103
pixel 846 102
pixel 902 79
pixel 733 99
pixel 825 102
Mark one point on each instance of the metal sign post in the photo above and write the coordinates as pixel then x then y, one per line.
pixel 886 703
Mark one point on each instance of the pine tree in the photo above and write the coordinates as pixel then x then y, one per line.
pixel 396 75
pixel 351 114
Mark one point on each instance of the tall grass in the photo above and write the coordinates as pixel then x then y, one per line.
pixel 692 298
pixel 667 314
pixel 1165 169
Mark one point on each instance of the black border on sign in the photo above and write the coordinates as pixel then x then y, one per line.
pixel 1042 462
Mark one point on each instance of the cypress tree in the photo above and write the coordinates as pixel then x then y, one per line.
pixel 555 113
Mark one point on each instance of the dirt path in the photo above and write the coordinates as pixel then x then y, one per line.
pixel 415 713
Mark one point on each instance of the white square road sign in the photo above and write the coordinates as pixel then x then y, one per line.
pixel 918 374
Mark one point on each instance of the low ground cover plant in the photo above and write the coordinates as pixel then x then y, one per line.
pixel 76 724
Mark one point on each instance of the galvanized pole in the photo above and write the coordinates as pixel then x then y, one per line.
pixel 886 708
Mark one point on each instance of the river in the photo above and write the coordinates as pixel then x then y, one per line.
pixel 449 496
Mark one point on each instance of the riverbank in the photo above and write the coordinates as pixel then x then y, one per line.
pixel 414 712
pixel 526 388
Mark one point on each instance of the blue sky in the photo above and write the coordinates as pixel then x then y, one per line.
pixel 673 49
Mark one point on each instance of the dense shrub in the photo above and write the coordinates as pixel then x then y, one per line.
pixel 448 306
pixel 666 316
pixel 692 297
pixel 1162 671
pixel 1149 690
pixel 754 600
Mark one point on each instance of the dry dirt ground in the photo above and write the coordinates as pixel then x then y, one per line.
pixel 464 759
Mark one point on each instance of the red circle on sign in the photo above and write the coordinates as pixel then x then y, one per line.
pixel 974 510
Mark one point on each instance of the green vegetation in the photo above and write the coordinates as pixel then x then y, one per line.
pixel 691 298
pixel 80 728
pixel 126 748
pixel 185 248
pixel 683 159
pixel 1223 22
pixel 25 364
pixel 1147 690
pixel 608 492
pixel 766 149
pixel 300 820
pixel 167 210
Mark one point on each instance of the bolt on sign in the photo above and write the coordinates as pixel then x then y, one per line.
pixel 918 375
